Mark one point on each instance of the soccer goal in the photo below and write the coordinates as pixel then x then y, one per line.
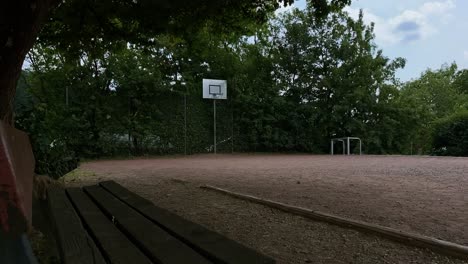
pixel 346 142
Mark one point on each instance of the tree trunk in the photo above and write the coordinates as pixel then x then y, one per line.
pixel 20 22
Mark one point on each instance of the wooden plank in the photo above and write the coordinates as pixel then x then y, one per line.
pixel 113 243
pixel 154 241
pixel 75 246
pixel 441 246
pixel 218 248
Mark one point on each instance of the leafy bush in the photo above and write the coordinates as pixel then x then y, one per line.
pixel 54 155
pixel 54 159
pixel 451 135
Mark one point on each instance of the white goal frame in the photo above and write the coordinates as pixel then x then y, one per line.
pixel 346 145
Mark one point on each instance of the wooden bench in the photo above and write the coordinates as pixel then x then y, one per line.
pixel 107 223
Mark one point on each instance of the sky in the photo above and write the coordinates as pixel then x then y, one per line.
pixel 428 33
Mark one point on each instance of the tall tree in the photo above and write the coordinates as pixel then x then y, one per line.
pixel 435 95
pixel 332 70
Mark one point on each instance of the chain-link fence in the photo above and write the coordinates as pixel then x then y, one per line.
pixel 184 124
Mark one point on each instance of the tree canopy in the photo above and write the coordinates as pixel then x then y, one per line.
pixel 73 24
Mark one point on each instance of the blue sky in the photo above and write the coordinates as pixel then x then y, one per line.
pixel 428 33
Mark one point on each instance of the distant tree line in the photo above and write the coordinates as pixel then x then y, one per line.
pixel 293 83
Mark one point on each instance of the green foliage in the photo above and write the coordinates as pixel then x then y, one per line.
pixel 75 24
pixel 450 136
pixel 436 95
pixel 434 91
pixel 461 81
pixel 54 159
pixel 53 155
pixel 336 80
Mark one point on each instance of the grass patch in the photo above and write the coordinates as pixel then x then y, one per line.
pixel 41 248
pixel 77 175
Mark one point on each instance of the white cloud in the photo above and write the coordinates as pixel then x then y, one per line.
pixel 437 7
pixel 465 54
pixel 409 25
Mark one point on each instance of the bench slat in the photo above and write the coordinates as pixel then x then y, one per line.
pixel 75 246
pixel 161 246
pixel 116 247
pixel 217 247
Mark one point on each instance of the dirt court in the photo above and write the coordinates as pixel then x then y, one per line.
pixel 425 195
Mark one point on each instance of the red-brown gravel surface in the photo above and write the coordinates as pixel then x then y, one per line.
pixel 425 195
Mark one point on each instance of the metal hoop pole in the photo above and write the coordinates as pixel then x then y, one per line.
pixel 214 125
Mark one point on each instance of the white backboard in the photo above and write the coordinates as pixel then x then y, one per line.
pixel 214 89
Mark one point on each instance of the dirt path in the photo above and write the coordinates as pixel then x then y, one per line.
pixel 424 195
